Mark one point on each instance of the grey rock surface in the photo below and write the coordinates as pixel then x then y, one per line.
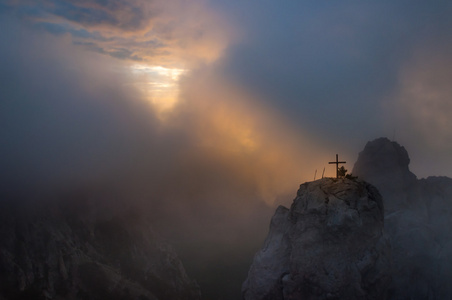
pixel 76 250
pixel 418 221
pixel 329 245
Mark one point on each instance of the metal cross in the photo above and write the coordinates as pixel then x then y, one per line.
pixel 337 162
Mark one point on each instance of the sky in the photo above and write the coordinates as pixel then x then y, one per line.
pixel 210 113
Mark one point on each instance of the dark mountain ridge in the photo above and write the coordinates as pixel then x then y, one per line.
pixel 85 249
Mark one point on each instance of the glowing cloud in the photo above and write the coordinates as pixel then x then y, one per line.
pixel 161 40
pixel 171 34
pixel 247 138
pixel 159 85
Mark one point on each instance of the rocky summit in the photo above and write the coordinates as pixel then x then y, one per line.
pixel 329 245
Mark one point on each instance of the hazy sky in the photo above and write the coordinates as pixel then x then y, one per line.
pixel 217 107
pixel 270 91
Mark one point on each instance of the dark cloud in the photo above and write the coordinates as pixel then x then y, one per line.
pixel 119 53
pixel 61 29
pixel 124 15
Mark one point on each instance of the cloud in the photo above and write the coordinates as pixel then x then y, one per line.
pixel 65 115
pixel 421 106
pixel 255 142
pixel 220 128
pixel 264 116
pixel 122 15
pixel 72 120
pixel 170 34
pixel 245 121
pixel 74 123
pixel 425 94
pixel 333 68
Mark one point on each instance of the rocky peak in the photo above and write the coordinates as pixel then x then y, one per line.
pixel 382 162
pixel 328 245
pixel 417 218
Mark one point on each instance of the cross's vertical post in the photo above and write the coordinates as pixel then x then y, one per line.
pixel 337 162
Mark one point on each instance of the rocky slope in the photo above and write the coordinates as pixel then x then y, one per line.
pixel 328 245
pixel 418 220
pixel 81 250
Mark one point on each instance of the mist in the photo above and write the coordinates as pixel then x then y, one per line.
pixel 73 127
pixel 231 110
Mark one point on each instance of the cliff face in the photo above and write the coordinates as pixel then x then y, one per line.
pixel 418 221
pixel 78 251
pixel 328 245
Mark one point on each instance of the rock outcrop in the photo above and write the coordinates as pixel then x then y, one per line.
pixel 418 221
pixel 75 250
pixel 328 245
pixel 384 164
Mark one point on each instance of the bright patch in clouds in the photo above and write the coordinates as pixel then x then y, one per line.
pixel 159 85
pixel 174 74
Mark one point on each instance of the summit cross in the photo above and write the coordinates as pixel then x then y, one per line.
pixel 337 162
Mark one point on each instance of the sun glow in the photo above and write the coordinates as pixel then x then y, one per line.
pixel 160 85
